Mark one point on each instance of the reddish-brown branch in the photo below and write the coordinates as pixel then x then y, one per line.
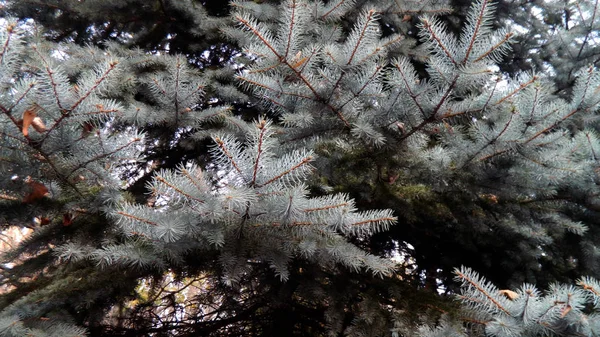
pixel 259 150
pixel 291 28
pixel 292 68
pixel 332 9
pixel 364 222
pixel 178 190
pixel 187 174
pixel 324 208
pixel 221 145
pixel 104 155
pixel 482 291
pixel 410 92
pixel 52 82
pixel 10 29
pixel 286 172
pixel 477 27
pixel 439 41
pixel 370 15
pixel 495 47
pixel 514 92
pixel 131 216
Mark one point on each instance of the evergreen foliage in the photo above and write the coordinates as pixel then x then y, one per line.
pixel 300 167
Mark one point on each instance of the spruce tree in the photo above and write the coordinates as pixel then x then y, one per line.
pixel 201 168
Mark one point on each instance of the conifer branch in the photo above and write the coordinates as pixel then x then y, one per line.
pixel 495 47
pixel 324 208
pixel 102 78
pixel 432 118
pixel 66 113
pixel 20 98
pixel 382 47
pixel 571 113
pixel 587 136
pixel 249 26
pixel 178 190
pixel 591 28
pixel 552 126
pixel 546 165
pixel 53 83
pixel 277 103
pixel 187 174
pixel 370 15
pixel 221 145
pixel 438 40
pixel 370 221
pixel 263 129
pixel 291 29
pixel 101 156
pixel 412 95
pixel 493 140
pixel 324 16
pixel 497 153
pixel 420 11
pixel 10 28
pixel 137 218
pixel 261 85
pixel 514 92
pixel 162 90
pixel 477 25
pixel 282 59
pixel 176 89
pixel 450 113
pixel 589 287
pixel 482 291
pixel 363 87
pixel 263 70
pixel 59 174
pixel 286 172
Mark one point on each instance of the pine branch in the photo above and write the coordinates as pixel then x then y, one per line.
pixel 221 145
pixel 10 28
pixel 355 95
pixel 53 84
pixel 178 190
pixel 371 221
pixel 433 117
pixel 336 6
pixel 428 26
pixel 492 140
pixel 591 29
pixel 478 24
pixel 517 90
pixel 290 29
pixel 187 174
pixel 495 47
pixel 137 218
pixel 476 285
pixel 111 66
pixel 407 85
pixel 384 46
pixel 298 74
pixel 303 162
pixel 176 89
pixel 259 151
pixel 324 208
pixel 370 17
pixel 20 98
